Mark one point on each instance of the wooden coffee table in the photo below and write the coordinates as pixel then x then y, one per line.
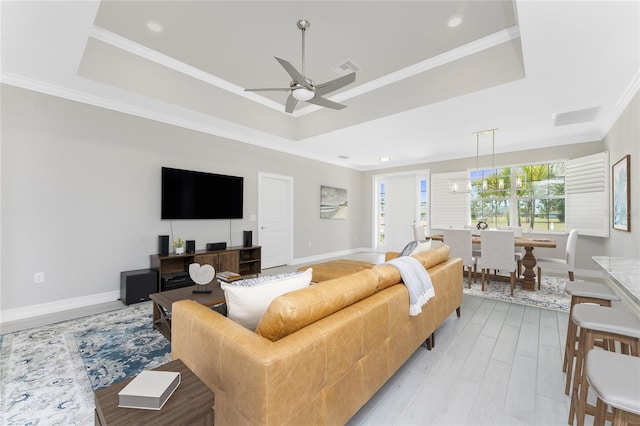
pixel 191 403
pixel 162 303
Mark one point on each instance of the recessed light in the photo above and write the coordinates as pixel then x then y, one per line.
pixel 454 21
pixel 385 158
pixel 154 26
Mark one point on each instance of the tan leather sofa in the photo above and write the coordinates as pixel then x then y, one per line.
pixel 318 354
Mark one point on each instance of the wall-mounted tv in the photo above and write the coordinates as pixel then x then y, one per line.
pixel 189 194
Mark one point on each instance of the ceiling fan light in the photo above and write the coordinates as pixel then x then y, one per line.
pixel 302 94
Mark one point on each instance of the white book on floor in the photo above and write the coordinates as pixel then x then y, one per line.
pixel 149 390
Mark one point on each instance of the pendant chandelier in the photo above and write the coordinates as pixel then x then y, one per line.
pixel 491 183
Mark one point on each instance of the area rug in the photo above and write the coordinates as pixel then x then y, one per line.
pixel 49 373
pixel 550 296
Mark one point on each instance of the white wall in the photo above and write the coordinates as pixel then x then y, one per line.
pixel 624 139
pixel 81 196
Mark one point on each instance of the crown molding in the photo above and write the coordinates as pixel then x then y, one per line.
pixel 134 48
pixel 223 128
pixel 453 55
pixel 632 89
pixel 468 49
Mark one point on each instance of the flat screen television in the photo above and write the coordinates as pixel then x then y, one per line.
pixel 189 194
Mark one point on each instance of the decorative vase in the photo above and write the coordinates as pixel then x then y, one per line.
pixel 180 250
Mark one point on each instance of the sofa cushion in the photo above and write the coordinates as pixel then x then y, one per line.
pixel 434 256
pixel 336 268
pixel 294 311
pixel 247 300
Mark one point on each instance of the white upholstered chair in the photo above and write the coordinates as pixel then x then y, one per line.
pixel 517 232
pixel 459 241
pixel 565 264
pixel 419 233
pixel 498 253
pixel 476 250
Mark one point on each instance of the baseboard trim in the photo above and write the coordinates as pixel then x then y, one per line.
pixel 325 256
pixel 31 311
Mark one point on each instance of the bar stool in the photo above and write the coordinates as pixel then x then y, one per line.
pixel 582 292
pixel 598 322
pixel 615 379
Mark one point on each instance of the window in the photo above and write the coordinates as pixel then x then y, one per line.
pixel 531 196
pixel 381 203
pixel 423 197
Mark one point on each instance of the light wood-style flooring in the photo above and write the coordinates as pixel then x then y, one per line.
pixel 499 364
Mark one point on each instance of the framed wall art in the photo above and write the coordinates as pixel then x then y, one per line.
pixel 621 181
pixel 333 203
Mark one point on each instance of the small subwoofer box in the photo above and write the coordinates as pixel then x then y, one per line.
pixel 191 246
pixel 136 286
pixel 163 245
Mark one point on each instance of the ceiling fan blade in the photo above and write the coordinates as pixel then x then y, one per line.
pixel 295 75
pixel 291 104
pixel 330 86
pixel 269 89
pixel 325 103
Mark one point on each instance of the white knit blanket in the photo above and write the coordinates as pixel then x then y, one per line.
pixel 417 280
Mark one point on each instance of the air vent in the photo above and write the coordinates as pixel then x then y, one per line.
pixel 575 117
pixel 346 67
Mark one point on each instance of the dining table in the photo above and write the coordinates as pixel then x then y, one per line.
pixel 528 278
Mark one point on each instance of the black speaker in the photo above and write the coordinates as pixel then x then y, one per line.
pixel 136 286
pixel 217 246
pixel 163 245
pixel 247 238
pixel 191 246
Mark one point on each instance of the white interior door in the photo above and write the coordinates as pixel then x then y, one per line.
pixel 275 219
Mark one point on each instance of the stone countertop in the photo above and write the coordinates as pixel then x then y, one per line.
pixel 625 271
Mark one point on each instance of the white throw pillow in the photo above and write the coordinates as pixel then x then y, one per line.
pixel 422 246
pixel 248 300
pixel 415 247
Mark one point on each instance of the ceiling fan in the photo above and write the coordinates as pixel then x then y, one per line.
pixel 302 88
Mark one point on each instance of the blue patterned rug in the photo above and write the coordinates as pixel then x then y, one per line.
pixel 550 296
pixel 49 373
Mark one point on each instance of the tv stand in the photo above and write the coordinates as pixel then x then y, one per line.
pixel 241 260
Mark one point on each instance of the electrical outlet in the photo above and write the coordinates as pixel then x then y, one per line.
pixel 38 277
pixel 309 243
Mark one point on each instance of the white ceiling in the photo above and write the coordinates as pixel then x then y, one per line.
pixel 422 90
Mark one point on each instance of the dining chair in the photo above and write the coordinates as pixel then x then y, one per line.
pixel 459 241
pixel 418 233
pixel 565 264
pixel 498 253
pixel 517 233
pixel 476 250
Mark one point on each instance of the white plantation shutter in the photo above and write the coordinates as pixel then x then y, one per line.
pixel 587 194
pixel 448 209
